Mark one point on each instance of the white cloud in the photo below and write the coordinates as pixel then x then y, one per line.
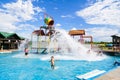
pixel 7 22
pixel 14 14
pixel 81 24
pixel 41 18
pixel 90 2
pixel 57 25
pixel 24 10
pixel 25 30
pixel 102 12
pixel 101 33
pixel 73 28
pixel 26 27
pixel 26 35
pixel 67 16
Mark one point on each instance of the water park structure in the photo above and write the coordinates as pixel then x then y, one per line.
pixel 42 38
pixel 45 32
pixel 76 61
pixel 76 40
pixel 116 42
pixel 82 35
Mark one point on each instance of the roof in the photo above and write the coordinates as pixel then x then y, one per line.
pixel 39 32
pixel 22 38
pixel 9 35
pixel 77 32
pixel 5 34
pixel 115 36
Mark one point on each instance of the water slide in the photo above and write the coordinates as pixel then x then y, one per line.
pixel 90 74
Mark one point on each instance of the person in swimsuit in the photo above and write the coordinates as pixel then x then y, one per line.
pixel 52 62
pixel 26 51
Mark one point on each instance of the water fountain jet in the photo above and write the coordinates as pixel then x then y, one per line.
pixel 58 42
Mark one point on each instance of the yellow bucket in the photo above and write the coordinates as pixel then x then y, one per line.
pixel 49 21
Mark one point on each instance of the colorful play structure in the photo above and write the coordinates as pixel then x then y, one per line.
pixel 42 37
pixel 82 35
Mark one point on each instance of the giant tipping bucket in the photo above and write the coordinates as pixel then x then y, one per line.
pixel 49 21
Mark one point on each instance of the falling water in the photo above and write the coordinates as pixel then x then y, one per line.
pixel 63 46
pixel 24 44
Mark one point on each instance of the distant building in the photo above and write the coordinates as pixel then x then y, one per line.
pixel 115 41
pixel 9 40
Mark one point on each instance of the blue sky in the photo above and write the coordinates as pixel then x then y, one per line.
pixel 99 18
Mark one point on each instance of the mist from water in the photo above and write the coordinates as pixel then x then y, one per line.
pixel 63 47
pixel 24 44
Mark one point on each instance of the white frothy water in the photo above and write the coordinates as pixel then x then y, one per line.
pixel 65 43
pixel 63 47
pixel 24 44
pixel 69 48
pixel 59 57
pixel 22 55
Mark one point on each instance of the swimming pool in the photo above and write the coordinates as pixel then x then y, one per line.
pixel 17 68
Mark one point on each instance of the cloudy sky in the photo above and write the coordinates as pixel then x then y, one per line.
pixel 99 18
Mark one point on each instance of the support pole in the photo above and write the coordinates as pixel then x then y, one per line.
pixel 91 40
pixel 81 39
pixel 37 42
pixel 31 40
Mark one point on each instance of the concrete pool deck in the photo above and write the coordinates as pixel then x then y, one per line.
pixel 112 75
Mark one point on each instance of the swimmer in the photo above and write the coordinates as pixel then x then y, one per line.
pixel 26 51
pixel 52 62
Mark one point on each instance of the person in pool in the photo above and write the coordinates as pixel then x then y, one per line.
pixel 52 62
pixel 116 63
pixel 26 51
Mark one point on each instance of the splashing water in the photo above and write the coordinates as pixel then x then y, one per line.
pixel 63 46
pixel 24 44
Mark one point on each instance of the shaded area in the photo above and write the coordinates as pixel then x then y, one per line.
pixel 9 40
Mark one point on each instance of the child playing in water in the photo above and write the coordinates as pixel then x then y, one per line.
pixel 52 62
pixel 26 51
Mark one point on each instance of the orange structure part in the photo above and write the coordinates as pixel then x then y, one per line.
pixel 39 32
pixel 76 32
pixel 81 33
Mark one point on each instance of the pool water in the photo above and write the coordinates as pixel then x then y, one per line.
pixel 15 68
